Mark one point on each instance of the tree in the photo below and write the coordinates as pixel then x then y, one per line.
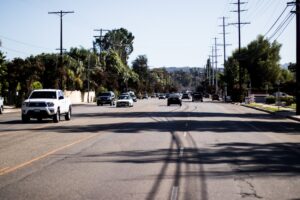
pixel 140 67
pixel 259 62
pixel 119 41
pixel 262 62
pixel 3 74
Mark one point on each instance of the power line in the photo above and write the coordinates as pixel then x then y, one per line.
pixel 24 43
pixel 291 18
pixel 276 21
pixel 282 24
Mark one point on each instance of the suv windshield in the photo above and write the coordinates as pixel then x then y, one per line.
pixel 43 95
pixel 105 94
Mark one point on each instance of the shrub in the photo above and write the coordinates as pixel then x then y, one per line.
pixel 270 100
pixel 289 100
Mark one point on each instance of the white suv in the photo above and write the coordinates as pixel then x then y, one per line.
pixel 46 103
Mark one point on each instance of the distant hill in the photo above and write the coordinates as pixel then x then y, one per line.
pixel 185 69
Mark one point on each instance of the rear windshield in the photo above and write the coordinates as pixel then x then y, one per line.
pixel 124 97
pixel 43 95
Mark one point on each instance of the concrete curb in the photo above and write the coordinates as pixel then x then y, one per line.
pixel 274 113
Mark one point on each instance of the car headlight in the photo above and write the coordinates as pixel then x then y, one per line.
pixel 50 104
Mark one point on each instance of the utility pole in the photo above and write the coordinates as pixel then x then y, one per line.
pixel 297 12
pixel 239 23
pixel 216 64
pixel 61 14
pixel 224 39
pixel 224 51
pixel 100 37
pixel 212 66
pixel 209 70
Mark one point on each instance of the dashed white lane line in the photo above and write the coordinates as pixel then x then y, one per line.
pixel 174 193
pixel 181 151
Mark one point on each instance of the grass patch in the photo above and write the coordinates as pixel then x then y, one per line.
pixel 293 106
pixel 270 108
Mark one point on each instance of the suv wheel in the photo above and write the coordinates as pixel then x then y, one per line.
pixel 56 117
pixel 68 115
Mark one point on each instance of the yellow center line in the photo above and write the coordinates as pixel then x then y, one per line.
pixel 3 169
pixel 8 170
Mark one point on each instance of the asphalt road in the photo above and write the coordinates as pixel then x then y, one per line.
pixel 201 150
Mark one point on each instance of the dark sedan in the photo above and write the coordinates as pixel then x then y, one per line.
pixel 174 99
pixel 197 96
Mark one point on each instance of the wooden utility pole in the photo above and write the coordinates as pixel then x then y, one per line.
pixel 61 14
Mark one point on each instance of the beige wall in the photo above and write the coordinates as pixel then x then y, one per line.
pixel 80 97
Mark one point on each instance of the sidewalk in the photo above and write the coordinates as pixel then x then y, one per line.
pixel 288 113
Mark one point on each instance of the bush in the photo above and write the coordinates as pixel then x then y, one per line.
pixel 289 100
pixel 270 100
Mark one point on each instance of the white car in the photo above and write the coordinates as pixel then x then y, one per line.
pixel 46 103
pixel 124 101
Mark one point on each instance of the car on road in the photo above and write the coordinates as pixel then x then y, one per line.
pixel 106 98
pixel 1 105
pixel 124 101
pixel 145 96
pixel 46 103
pixel 197 96
pixel 186 96
pixel 215 97
pixel 161 96
pixel 174 99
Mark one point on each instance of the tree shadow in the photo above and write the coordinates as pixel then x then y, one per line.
pixel 273 159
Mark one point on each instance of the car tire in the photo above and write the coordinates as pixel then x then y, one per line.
pixel 68 114
pixel 56 117
pixel 25 119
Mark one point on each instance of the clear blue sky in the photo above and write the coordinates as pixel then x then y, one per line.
pixel 169 32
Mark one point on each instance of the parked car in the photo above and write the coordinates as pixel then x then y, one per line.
pixel 1 105
pixel 197 96
pixel 124 101
pixel 280 94
pixel 174 99
pixel 46 103
pixel 106 98
pixel 215 97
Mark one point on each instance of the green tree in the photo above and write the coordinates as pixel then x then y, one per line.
pixel 262 62
pixel 119 41
pixel 3 74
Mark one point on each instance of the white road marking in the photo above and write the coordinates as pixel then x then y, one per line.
pixel 181 151
pixel 184 134
pixel 174 193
